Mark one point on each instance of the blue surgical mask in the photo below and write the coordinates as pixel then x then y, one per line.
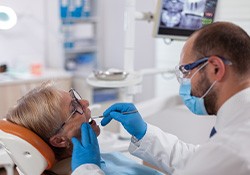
pixel 194 104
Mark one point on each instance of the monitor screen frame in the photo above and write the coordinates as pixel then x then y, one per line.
pixel 179 33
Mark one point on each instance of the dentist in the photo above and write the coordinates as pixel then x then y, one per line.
pixel 214 76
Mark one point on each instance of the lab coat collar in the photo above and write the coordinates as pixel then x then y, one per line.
pixel 227 114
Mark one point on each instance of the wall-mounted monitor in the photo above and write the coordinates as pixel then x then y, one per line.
pixel 178 19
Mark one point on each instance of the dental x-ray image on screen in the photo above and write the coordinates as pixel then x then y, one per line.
pixel 178 19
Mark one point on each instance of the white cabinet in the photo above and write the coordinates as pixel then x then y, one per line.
pixel 13 89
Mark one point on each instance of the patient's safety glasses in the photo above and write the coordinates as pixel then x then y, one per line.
pixel 183 71
pixel 77 107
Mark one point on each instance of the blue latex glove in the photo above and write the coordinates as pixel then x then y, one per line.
pixel 133 123
pixel 86 150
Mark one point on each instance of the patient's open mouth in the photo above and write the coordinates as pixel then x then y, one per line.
pixel 91 121
pixel 94 126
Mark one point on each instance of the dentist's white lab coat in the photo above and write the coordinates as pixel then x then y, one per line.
pixel 227 152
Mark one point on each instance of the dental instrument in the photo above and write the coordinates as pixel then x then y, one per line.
pixel 128 112
pixel 101 116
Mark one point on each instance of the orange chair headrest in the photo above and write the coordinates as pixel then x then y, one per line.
pixel 31 138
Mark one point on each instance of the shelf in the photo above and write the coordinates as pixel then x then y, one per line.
pixel 79 27
pixel 81 50
pixel 79 20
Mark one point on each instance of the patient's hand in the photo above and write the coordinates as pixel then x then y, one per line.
pixel 86 150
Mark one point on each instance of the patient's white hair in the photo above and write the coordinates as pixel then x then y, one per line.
pixel 40 111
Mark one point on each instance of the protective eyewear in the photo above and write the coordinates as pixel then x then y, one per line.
pixel 183 71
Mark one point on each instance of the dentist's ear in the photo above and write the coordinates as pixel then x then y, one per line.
pixel 218 69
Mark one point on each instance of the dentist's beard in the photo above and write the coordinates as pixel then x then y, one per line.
pixel 210 100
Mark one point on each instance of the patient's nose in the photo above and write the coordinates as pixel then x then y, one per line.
pixel 84 103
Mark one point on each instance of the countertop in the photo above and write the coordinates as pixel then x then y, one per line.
pixel 8 78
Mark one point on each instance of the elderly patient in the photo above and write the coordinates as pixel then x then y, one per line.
pixel 56 116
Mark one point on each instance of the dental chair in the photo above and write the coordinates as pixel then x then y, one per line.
pixel 6 162
pixel 28 151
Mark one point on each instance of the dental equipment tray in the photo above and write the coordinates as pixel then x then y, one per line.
pixel 111 75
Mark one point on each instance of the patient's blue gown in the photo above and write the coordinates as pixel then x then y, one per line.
pixel 116 163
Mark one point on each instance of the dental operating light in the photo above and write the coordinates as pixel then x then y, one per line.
pixel 8 18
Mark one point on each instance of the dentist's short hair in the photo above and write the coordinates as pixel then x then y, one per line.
pixel 227 40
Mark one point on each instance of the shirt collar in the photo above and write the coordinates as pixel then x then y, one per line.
pixel 227 112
